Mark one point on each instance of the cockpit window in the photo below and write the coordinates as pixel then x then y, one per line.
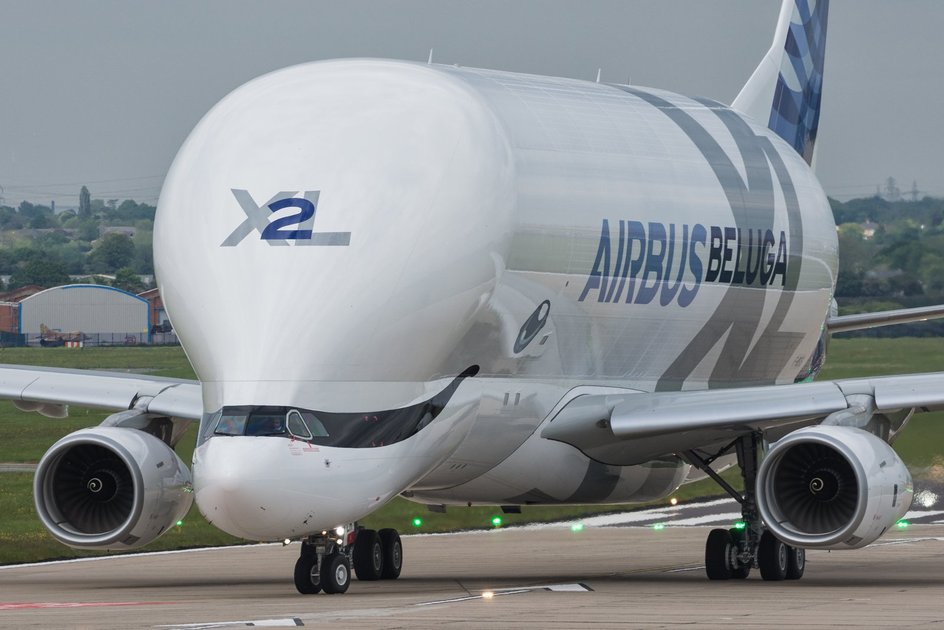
pixel 317 428
pixel 266 423
pixel 351 430
pixel 231 424
pixel 297 426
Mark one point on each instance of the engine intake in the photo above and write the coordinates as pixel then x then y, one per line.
pixel 110 488
pixel 832 488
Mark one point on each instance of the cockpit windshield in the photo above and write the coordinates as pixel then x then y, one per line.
pixel 269 421
pixel 352 430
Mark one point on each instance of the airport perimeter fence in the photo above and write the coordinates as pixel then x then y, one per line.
pixel 89 340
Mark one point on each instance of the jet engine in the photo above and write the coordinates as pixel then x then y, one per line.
pixel 830 487
pixel 110 488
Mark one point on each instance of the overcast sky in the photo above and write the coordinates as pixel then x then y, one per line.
pixel 103 92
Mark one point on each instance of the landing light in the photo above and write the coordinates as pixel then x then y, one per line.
pixel 576 527
pixel 496 521
pixel 926 498
pixel 339 530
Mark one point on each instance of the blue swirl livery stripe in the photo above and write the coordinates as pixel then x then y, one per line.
pixel 794 114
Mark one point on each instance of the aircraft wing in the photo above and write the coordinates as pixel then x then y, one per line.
pixel 49 390
pixel 843 323
pixel 635 427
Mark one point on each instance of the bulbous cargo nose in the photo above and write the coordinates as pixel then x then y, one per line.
pixel 321 219
pixel 243 486
pixel 271 488
pixel 225 491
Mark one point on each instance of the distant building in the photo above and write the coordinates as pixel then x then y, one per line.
pixel 9 316
pixel 107 314
pixel 10 308
pixel 156 303
pixel 17 295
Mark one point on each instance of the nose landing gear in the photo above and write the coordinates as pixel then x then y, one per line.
pixel 325 560
pixel 730 554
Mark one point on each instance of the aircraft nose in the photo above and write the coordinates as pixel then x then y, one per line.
pixel 224 490
pixel 272 488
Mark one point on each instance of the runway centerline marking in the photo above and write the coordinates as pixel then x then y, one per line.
pixel 35 605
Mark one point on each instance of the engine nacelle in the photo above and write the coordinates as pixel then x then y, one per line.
pixel 110 488
pixel 829 487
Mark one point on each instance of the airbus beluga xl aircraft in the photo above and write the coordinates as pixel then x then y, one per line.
pixel 467 286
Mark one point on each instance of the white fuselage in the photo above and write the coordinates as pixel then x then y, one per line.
pixel 562 236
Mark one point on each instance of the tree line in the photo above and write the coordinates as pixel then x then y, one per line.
pixel 43 247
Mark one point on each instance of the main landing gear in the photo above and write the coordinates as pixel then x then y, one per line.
pixel 325 561
pixel 732 553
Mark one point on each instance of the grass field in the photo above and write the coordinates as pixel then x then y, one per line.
pixel 25 437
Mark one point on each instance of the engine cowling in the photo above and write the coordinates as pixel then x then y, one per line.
pixel 829 487
pixel 110 488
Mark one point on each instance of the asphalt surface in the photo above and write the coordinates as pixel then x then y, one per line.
pixel 641 572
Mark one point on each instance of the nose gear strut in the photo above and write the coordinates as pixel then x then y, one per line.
pixel 326 559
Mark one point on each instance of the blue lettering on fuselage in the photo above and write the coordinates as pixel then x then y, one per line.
pixel 664 262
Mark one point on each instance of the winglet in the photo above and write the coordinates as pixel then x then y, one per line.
pixel 786 87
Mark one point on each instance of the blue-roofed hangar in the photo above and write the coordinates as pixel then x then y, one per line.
pixel 90 309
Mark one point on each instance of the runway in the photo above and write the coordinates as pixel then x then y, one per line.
pixel 545 576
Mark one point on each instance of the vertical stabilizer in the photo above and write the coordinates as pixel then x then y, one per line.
pixel 787 86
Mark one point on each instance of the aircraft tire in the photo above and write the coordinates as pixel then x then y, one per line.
pixel 307 576
pixel 717 552
pixel 772 557
pixel 335 573
pixel 368 556
pixel 392 554
pixel 796 563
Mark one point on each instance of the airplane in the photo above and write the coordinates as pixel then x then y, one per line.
pixel 49 338
pixel 521 290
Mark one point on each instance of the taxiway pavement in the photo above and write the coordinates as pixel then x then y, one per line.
pixel 601 577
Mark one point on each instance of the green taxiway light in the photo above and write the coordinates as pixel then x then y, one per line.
pixel 658 526
pixel 902 524
pixel 180 523
pixel 740 525
pixel 417 522
pixel 496 521
pixel 576 527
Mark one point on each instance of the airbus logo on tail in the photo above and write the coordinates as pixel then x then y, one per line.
pixel 296 227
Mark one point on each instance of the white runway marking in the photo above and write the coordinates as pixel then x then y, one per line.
pixel 131 555
pixel 292 622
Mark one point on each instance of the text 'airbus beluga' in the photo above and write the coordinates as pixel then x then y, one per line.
pixel 468 286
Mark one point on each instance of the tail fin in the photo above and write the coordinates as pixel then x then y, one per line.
pixel 786 88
